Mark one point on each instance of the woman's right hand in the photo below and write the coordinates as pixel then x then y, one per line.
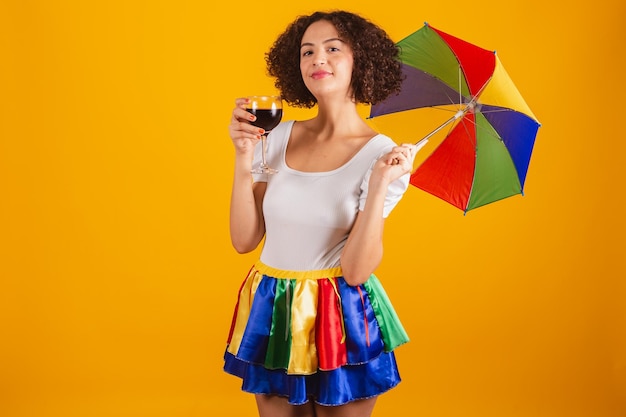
pixel 246 213
pixel 244 135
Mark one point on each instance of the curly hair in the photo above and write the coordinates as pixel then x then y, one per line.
pixel 376 73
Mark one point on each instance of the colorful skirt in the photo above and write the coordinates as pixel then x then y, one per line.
pixel 309 335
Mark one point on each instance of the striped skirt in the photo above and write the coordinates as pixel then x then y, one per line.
pixel 309 335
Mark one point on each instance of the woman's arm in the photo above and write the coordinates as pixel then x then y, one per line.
pixel 247 226
pixel 363 251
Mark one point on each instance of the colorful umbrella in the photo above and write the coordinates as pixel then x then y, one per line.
pixel 485 155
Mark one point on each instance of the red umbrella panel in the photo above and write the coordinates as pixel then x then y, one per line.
pixel 486 154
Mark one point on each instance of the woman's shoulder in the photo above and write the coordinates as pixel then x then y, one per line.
pixel 383 139
pixel 379 143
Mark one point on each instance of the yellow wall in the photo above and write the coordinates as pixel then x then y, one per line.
pixel 117 278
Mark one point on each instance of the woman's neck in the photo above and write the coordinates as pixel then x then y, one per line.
pixel 338 119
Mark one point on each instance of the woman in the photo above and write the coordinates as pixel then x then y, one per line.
pixel 313 332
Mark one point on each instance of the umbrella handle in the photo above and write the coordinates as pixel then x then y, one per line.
pixel 456 116
pixel 420 144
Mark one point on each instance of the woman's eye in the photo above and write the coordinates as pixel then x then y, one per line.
pixel 306 53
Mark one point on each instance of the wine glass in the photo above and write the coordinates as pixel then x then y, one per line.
pixel 268 111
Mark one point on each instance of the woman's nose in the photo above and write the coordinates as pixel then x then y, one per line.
pixel 319 59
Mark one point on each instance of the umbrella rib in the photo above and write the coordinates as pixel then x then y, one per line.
pixel 497 110
pixel 482 129
pixel 458 113
pixel 460 91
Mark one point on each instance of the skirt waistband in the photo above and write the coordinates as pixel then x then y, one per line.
pixel 297 275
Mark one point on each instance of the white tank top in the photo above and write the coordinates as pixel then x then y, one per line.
pixel 308 215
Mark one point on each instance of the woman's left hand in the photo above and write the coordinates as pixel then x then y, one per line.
pixel 396 163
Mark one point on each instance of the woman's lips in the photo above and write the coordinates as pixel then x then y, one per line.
pixel 320 74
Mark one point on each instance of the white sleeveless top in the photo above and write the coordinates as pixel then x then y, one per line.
pixel 308 215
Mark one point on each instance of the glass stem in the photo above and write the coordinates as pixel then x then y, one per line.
pixel 264 149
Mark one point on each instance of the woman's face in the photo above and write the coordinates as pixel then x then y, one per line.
pixel 326 61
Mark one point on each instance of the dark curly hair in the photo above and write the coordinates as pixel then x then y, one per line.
pixel 377 71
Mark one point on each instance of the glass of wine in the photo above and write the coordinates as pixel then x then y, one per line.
pixel 268 111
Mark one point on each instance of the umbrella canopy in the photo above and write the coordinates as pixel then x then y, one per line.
pixel 486 154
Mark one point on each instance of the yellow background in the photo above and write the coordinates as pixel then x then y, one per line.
pixel 117 278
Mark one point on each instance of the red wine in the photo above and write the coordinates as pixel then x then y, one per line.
pixel 267 119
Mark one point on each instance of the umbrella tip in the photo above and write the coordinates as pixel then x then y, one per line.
pixel 425 23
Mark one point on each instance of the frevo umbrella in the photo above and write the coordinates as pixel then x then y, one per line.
pixel 485 155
